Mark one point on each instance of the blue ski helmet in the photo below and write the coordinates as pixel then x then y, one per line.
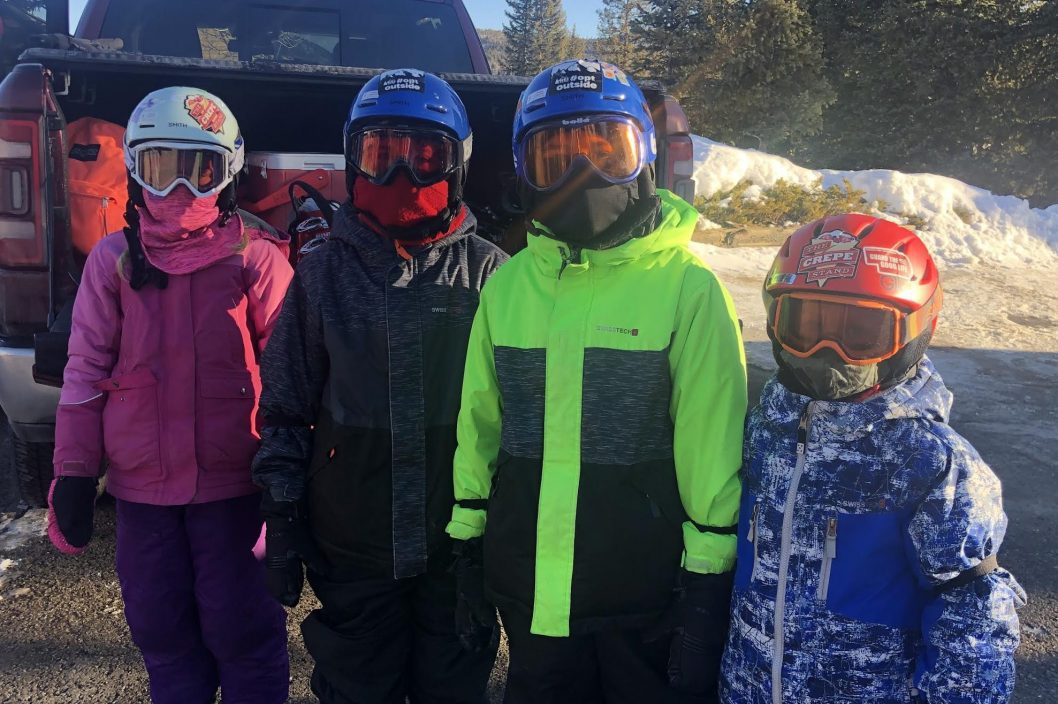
pixel 416 98
pixel 582 88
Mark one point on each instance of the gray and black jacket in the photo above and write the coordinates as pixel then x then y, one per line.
pixel 361 388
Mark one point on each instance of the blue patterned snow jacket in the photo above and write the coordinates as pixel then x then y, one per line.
pixel 860 511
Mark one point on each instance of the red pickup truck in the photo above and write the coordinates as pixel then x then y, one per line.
pixel 287 69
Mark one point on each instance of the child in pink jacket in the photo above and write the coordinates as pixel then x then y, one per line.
pixel 168 326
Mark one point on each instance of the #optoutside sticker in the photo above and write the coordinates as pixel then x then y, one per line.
pixel 402 79
pixel 576 75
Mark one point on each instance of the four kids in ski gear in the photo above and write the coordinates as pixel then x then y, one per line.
pixel 601 422
pixel 868 529
pixel 163 381
pixel 600 390
pixel 362 385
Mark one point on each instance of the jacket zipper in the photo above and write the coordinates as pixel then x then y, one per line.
pixel 105 205
pixel 779 644
pixel 753 538
pixel 570 256
pixel 830 551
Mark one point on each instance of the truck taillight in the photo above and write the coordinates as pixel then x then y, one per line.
pixel 681 166
pixel 21 195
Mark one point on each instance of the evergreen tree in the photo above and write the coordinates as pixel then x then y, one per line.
pixel 536 35
pixel 550 38
pixel 763 84
pixel 576 47
pixel 677 36
pixel 617 41
pixel 946 86
pixel 518 31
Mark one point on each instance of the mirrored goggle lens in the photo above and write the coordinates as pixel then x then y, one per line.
pixel 612 147
pixel 159 167
pixel 430 156
pixel 863 333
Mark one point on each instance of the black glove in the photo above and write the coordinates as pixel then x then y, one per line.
pixel 697 621
pixel 288 547
pixel 475 617
pixel 72 501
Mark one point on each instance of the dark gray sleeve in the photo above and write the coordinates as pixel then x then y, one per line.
pixel 293 373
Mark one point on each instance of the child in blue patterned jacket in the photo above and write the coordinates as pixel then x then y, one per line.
pixel 869 528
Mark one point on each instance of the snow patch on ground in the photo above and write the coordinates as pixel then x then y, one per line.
pixel 16 531
pixel 966 225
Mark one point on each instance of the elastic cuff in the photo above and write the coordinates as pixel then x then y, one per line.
pixel 466 523
pixel 707 553
pixel 71 468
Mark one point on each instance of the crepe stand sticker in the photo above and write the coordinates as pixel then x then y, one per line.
pixel 402 79
pixel 830 255
pixel 205 112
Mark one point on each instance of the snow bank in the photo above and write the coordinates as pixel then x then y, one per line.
pixel 965 224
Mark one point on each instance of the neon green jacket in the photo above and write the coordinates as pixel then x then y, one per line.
pixel 600 429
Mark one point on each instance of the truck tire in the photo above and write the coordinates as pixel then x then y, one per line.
pixel 33 467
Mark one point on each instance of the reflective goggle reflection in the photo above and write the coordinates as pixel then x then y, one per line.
pixel 159 168
pixel 613 146
pixel 861 332
pixel 376 153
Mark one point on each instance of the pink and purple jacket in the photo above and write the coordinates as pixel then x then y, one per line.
pixel 164 383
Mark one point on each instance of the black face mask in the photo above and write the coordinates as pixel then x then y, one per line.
pixel 588 211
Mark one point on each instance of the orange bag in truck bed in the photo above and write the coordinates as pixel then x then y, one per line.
pixel 97 180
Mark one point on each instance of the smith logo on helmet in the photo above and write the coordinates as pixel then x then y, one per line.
pixel 205 112
pixel 402 79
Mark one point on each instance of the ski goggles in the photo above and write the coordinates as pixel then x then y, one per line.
pixel 429 156
pixel 612 145
pixel 160 166
pixel 860 331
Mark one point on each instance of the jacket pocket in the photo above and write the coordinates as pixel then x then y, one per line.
pixel 872 580
pixel 746 550
pixel 131 422
pixel 227 434
pixel 830 551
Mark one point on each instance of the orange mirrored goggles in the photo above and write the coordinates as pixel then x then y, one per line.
pixel 860 331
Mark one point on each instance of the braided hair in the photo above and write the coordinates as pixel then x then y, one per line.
pixel 142 272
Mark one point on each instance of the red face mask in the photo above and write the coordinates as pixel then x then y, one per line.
pixel 400 204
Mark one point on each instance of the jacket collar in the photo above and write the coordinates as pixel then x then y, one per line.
pixel 678 220
pixel 378 252
pixel 922 396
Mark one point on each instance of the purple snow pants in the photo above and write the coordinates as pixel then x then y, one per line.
pixel 196 602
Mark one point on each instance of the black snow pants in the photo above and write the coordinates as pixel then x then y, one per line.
pixel 376 640
pixel 606 667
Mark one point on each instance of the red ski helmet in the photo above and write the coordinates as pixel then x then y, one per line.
pixel 859 285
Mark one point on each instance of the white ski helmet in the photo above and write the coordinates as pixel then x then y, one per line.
pixel 183 135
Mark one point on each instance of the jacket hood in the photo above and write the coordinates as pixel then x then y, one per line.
pixel 922 396
pixel 678 220
pixel 377 250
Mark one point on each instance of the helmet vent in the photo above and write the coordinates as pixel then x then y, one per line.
pixel 438 108
pixel 867 230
